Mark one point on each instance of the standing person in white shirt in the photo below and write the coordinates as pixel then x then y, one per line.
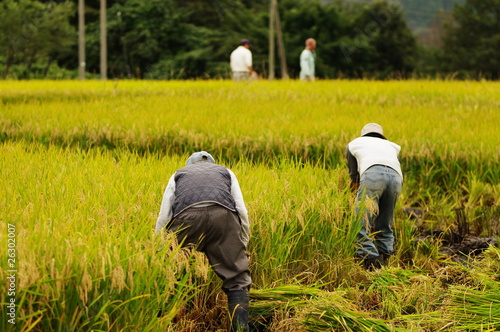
pixel 204 205
pixel 241 61
pixel 307 61
pixel 377 177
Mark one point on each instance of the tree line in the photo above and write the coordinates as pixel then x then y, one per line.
pixel 185 39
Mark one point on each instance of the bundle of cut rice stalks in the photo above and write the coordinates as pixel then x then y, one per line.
pixel 474 309
pixel 313 309
pixel 477 308
pixel 335 313
pixel 265 301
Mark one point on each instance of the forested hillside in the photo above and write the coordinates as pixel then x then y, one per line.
pixel 419 14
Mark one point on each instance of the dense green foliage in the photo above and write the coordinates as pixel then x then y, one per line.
pixel 473 42
pixel 178 39
pixel 33 35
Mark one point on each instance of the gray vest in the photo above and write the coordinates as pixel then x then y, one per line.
pixel 202 182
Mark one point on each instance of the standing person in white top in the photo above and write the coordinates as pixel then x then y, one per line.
pixel 307 60
pixel 241 61
pixel 377 177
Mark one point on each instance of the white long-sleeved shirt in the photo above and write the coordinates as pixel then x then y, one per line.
pixel 241 59
pixel 169 197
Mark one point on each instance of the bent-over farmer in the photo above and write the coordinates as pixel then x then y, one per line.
pixel 203 203
pixel 376 175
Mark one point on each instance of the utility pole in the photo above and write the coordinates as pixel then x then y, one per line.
pixel 281 45
pixel 81 39
pixel 274 23
pixel 104 44
pixel 271 38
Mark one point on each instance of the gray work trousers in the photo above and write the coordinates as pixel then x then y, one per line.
pixel 379 190
pixel 241 76
pixel 216 231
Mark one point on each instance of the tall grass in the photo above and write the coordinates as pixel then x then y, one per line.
pixel 445 120
pixel 86 256
pixel 447 129
pixel 83 167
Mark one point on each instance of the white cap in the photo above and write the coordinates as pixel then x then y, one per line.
pixel 372 128
pixel 200 156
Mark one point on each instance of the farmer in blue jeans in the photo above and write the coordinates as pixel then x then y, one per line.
pixel 377 177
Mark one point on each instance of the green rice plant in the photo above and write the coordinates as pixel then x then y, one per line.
pixel 85 258
pixel 305 233
pixel 273 119
pixel 446 129
pixel 83 166
pixel 404 233
pixel 427 255
pixel 479 202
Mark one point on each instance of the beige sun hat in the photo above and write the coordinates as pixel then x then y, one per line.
pixel 372 128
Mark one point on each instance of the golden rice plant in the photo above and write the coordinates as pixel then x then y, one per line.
pixel 83 166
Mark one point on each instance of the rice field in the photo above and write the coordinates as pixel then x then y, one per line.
pixel 83 166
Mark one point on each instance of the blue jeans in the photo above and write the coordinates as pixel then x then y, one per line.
pixel 380 187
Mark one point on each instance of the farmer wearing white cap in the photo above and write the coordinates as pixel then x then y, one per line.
pixel 203 203
pixel 376 175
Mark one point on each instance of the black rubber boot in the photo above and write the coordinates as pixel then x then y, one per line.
pixel 237 302
pixel 385 258
pixel 373 263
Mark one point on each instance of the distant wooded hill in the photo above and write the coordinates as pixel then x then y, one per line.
pixel 419 14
